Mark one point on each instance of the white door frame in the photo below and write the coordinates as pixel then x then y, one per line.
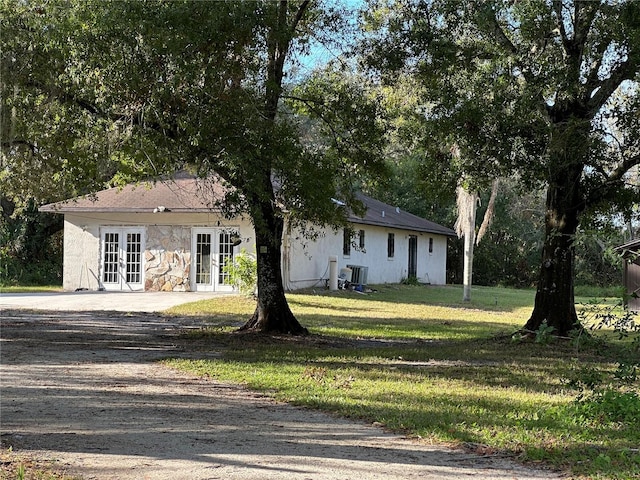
pixel 210 248
pixel 122 258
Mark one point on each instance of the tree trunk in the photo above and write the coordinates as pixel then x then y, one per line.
pixel 554 302
pixel 469 243
pixel 272 312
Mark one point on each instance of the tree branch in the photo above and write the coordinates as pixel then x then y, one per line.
pixel 624 167
pixel 605 190
pixel 595 102
pixel 585 12
pixel 583 16
pixel 300 14
pixel 566 43
pixel 68 97
pixel 497 32
pixel 592 77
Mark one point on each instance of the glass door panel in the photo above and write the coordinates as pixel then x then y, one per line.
pixel 225 254
pixel 212 249
pixel 122 254
pixel 203 259
pixel 134 258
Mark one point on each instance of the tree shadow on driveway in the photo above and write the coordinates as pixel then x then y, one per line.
pixel 83 388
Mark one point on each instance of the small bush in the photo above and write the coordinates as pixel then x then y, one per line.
pixel 610 396
pixel 243 273
pixel 544 334
pixel 612 405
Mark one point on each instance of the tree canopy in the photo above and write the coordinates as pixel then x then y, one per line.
pixel 547 91
pixel 166 85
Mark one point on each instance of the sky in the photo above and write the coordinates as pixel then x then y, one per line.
pixel 321 54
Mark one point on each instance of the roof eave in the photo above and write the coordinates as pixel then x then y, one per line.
pixel 63 210
pixel 629 248
pixel 361 221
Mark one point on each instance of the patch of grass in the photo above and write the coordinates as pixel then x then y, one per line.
pixel 29 289
pixel 591 291
pixel 219 309
pixel 21 466
pixel 417 360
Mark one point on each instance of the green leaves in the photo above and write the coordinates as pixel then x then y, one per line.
pixel 344 132
pixel 499 76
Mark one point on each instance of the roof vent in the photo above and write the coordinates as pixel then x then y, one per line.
pixel 382 213
pixel 397 209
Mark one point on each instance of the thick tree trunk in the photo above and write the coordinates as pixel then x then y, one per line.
pixel 554 302
pixel 272 312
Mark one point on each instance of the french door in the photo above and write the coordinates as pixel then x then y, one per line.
pixel 212 249
pixel 122 252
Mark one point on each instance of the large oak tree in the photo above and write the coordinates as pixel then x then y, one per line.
pixel 546 90
pixel 204 85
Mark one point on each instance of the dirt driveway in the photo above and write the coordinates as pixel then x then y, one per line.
pixel 82 388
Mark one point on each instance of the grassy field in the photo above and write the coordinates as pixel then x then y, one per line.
pixel 419 361
pixel 30 289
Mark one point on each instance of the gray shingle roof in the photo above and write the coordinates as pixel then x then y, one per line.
pixel 384 215
pixel 182 193
pixel 186 193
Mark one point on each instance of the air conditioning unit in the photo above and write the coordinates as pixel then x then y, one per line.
pixel 359 274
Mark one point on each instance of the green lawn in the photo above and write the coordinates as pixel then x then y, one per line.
pixel 30 289
pixel 419 361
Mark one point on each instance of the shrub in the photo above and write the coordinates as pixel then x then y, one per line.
pixel 604 395
pixel 243 273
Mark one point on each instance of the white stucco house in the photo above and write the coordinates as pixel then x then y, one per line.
pixel 164 236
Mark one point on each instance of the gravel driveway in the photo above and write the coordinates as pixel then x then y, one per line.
pixel 82 388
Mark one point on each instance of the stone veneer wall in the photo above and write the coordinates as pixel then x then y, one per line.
pixel 168 258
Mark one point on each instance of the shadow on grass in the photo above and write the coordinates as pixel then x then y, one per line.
pixel 487 391
pixel 479 352
pixel 449 371
pixel 489 298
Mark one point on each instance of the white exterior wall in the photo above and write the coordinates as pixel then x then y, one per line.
pixel 305 262
pixel 81 262
pixel 308 263
pixel 82 255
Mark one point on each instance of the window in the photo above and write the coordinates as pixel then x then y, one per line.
pixel 361 237
pixel 430 245
pixel 346 242
pixel 391 245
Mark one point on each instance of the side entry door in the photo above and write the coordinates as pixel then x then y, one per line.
pixel 412 268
